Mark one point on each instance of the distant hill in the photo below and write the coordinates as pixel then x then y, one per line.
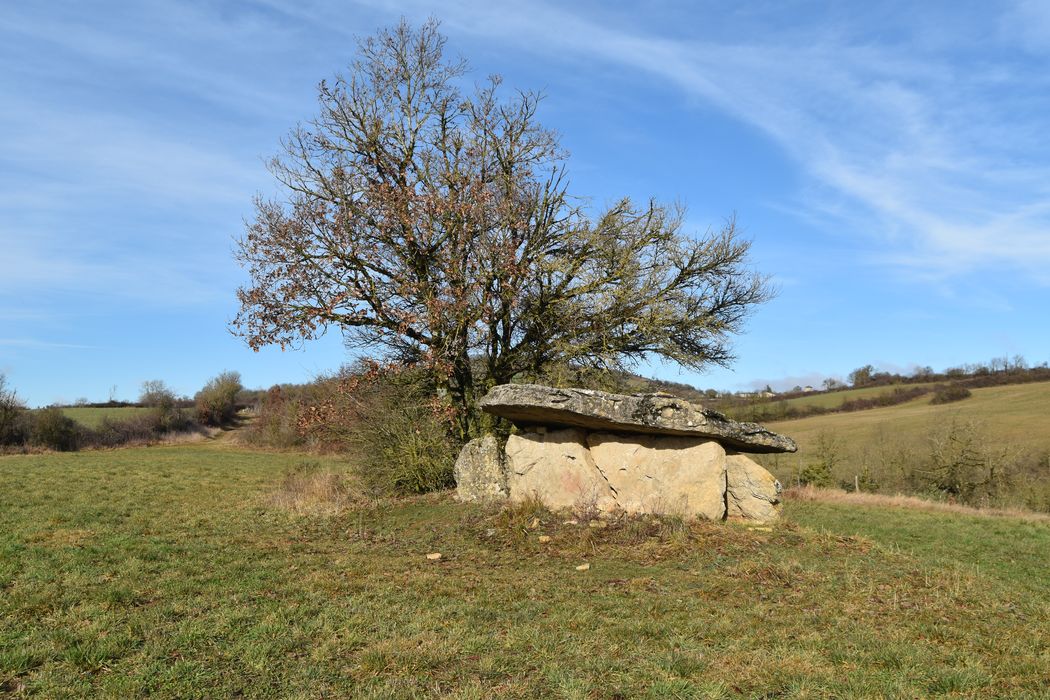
pixel 1001 433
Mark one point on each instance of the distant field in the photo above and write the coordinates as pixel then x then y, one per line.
pixel 831 401
pixel 92 417
pixel 168 572
pixel 835 399
pixel 1017 416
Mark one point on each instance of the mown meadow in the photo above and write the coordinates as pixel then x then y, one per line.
pixel 214 570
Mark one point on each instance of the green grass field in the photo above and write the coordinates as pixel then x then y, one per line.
pixel 168 572
pixel 92 417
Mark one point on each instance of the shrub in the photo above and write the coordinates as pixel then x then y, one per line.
pixel 112 432
pixel 50 427
pixel 815 474
pixel 864 481
pixel 947 393
pixel 164 415
pixel 156 394
pixel 393 423
pixel 405 448
pixel 217 401
pixel 13 427
pixel 145 428
pixel 829 454
pixel 276 421
pixel 966 464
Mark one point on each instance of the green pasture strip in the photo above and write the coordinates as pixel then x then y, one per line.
pixel 835 399
pixel 92 417
pixel 166 572
pixel 1016 415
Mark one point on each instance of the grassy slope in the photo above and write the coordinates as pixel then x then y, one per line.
pixel 165 571
pixel 834 399
pixel 1017 415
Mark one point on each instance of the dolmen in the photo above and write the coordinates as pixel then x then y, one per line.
pixel 637 453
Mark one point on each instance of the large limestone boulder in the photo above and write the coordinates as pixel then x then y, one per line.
pixel 647 414
pixel 662 474
pixel 752 493
pixel 556 467
pixel 479 471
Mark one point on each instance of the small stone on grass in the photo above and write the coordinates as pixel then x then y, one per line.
pixel 583 567
pixel 434 556
pixel 544 539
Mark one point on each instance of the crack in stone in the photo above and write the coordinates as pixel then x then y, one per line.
pixel 615 493
pixel 725 496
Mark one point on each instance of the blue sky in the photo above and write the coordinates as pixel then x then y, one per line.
pixel 888 160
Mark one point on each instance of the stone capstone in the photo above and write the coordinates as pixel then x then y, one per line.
pixel 645 414
pixel 752 493
pixel 479 471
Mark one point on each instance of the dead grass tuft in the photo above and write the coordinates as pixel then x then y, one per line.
pixel 878 500
pixel 188 437
pixel 309 489
pixel 62 537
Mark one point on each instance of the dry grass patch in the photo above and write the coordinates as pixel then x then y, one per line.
pixel 877 500
pixel 529 527
pixel 310 489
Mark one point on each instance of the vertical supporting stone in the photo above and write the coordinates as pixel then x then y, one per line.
pixel 663 474
pixel 480 473
pixel 752 493
pixel 556 467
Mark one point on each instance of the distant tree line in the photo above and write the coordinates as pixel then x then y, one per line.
pixel 164 414
pixel 953 384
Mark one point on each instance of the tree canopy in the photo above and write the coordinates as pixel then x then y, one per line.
pixel 433 226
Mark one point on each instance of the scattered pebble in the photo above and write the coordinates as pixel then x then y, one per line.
pixel 583 567
pixel 434 556
pixel 571 522
pixel 544 539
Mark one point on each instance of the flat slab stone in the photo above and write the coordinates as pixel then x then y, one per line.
pixel 645 414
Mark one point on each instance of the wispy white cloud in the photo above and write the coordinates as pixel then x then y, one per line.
pixel 1027 24
pixel 36 344
pixel 936 158
pixel 51 271
pixel 119 176
pixel 813 379
pixel 107 155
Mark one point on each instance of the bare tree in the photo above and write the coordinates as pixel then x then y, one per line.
pixel 10 407
pixel 156 394
pixel 434 228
